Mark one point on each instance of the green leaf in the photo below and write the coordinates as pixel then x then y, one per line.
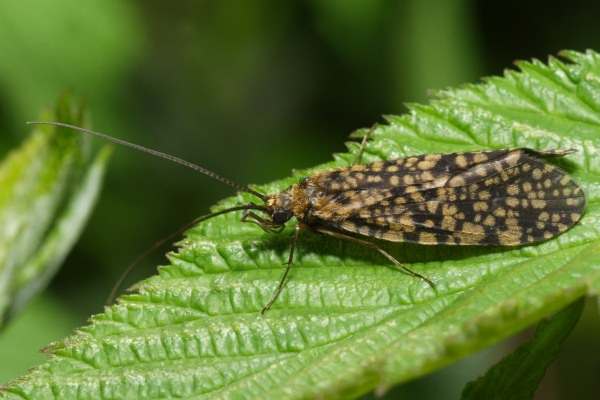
pixel 518 375
pixel 346 323
pixel 47 190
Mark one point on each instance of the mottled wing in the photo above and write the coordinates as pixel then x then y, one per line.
pixel 480 198
pixel 347 190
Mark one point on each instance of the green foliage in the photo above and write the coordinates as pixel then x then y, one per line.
pixel 45 58
pixel 47 190
pixel 346 323
pixel 518 375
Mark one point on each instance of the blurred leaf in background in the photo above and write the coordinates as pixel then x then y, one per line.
pixel 47 191
pixel 519 374
pixel 48 47
pixel 435 47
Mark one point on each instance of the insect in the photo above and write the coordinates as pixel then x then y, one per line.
pixel 507 197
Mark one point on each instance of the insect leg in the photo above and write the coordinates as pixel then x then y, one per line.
pixel 265 224
pixel 161 242
pixel 287 270
pixel 363 145
pixel 374 246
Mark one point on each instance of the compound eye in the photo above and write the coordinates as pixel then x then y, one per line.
pixel 281 217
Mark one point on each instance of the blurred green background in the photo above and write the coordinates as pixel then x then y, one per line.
pixel 251 89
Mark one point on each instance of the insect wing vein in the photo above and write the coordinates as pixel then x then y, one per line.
pixel 480 198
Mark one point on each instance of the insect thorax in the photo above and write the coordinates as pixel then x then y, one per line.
pixel 292 202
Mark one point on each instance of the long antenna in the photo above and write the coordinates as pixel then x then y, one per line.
pixel 168 238
pixel 156 153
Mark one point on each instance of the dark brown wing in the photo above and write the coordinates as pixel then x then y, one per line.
pixel 506 197
pixel 423 170
pixel 347 190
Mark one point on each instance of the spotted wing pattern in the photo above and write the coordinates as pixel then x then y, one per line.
pixel 502 197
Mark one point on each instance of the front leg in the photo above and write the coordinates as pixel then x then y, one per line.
pixel 264 224
pixel 287 269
